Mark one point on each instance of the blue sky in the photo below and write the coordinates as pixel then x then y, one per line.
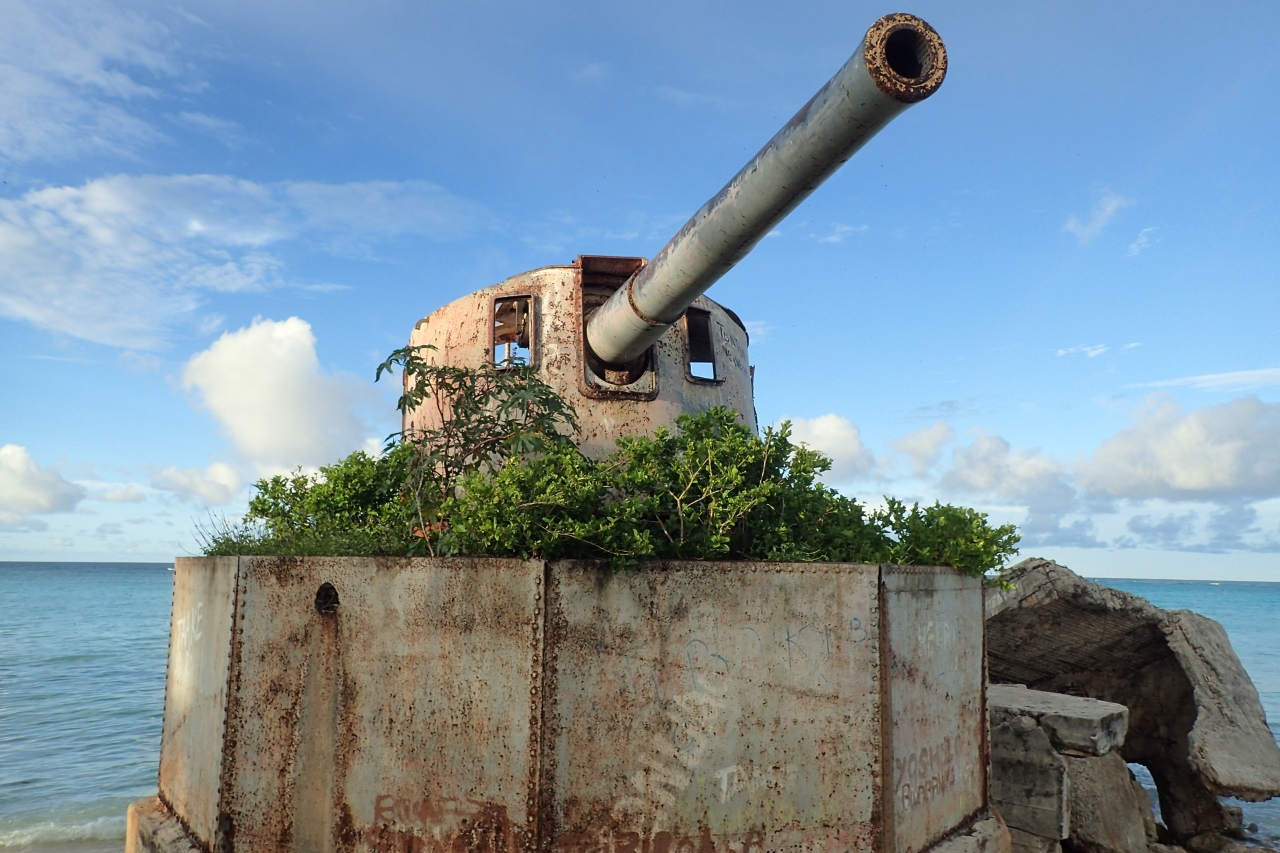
pixel 1050 291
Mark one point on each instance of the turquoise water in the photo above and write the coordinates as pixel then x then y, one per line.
pixel 82 659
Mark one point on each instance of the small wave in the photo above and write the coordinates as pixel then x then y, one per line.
pixel 102 829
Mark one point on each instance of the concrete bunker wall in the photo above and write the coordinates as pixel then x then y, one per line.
pixel 501 705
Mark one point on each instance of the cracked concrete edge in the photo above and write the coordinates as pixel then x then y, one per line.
pixel 1076 724
pixel 152 828
pixel 986 834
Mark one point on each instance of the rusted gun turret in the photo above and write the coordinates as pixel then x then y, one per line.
pixel 465 705
pixel 634 344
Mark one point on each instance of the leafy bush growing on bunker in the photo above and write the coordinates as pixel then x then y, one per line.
pixel 500 476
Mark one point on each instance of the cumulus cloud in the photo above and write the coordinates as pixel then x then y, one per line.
pixel 991 466
pixel 27 488
pixel 923 447
pixel 72 75
pixel 120 260
pixel 1084 230
pixel 839 439
pixel 215 485
pixel 1229 451
pixel 280 409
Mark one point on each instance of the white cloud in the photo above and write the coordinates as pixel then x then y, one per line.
pixel 12 522
pixel 122 259
pixel 1085 230
pixel 1228 451
pixel 25 487
pixel 923 447
pixel 1238 380
pixel 1143 241
pixel 839 232
pixel 1088 351
pixel 990 467
pixel 71 76
pixel 266 387
pixel 127 493
pixel 837 438
pixel 215 485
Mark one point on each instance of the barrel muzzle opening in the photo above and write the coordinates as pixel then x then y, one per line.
pixel 905 57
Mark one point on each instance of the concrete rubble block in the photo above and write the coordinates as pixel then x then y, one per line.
pixel 985 835
pixel 1029 784
pixel 1076 724
pixel 1021 841
pixel 1195 720
pixel 1106 810
pixel 152 828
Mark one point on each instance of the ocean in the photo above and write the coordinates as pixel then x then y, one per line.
pixel 82 666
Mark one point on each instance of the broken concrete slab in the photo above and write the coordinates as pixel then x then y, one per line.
pixel 1028 779
pixel 1106 812
pixel 1195 719
pixel 1026 842
pixel 1075 724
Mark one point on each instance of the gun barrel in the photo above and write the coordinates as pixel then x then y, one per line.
pixel 901 61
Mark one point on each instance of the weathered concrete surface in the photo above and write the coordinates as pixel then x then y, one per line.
pixel 691 701
pixel 987 834
pixel 1195 719
pixel 935 709
pixel 1021 841
pixel 1029 785
pixel 1109 810
pixel 195 697
pixel 152 828
pixel 1075 724
pixel 502 706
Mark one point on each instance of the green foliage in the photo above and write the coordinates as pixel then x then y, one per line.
pixel 480 418
pixel 353 507
pixel 709 489
pixel 497 474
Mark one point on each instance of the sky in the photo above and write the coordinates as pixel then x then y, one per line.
pixel 1048 292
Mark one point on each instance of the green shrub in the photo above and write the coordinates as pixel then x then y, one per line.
pixel 500 476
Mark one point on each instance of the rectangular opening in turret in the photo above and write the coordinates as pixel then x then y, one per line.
pixel 513 331
pixel 702 353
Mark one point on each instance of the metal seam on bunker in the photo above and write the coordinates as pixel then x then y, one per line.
pixel 224 832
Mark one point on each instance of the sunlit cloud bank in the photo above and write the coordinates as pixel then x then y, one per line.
pixel 1201 480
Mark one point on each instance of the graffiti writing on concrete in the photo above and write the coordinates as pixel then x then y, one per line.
pixel 189 630
pixel 663 841
pixel 737 780
pixel 440 825
pixel 924 774
pixel 427 812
